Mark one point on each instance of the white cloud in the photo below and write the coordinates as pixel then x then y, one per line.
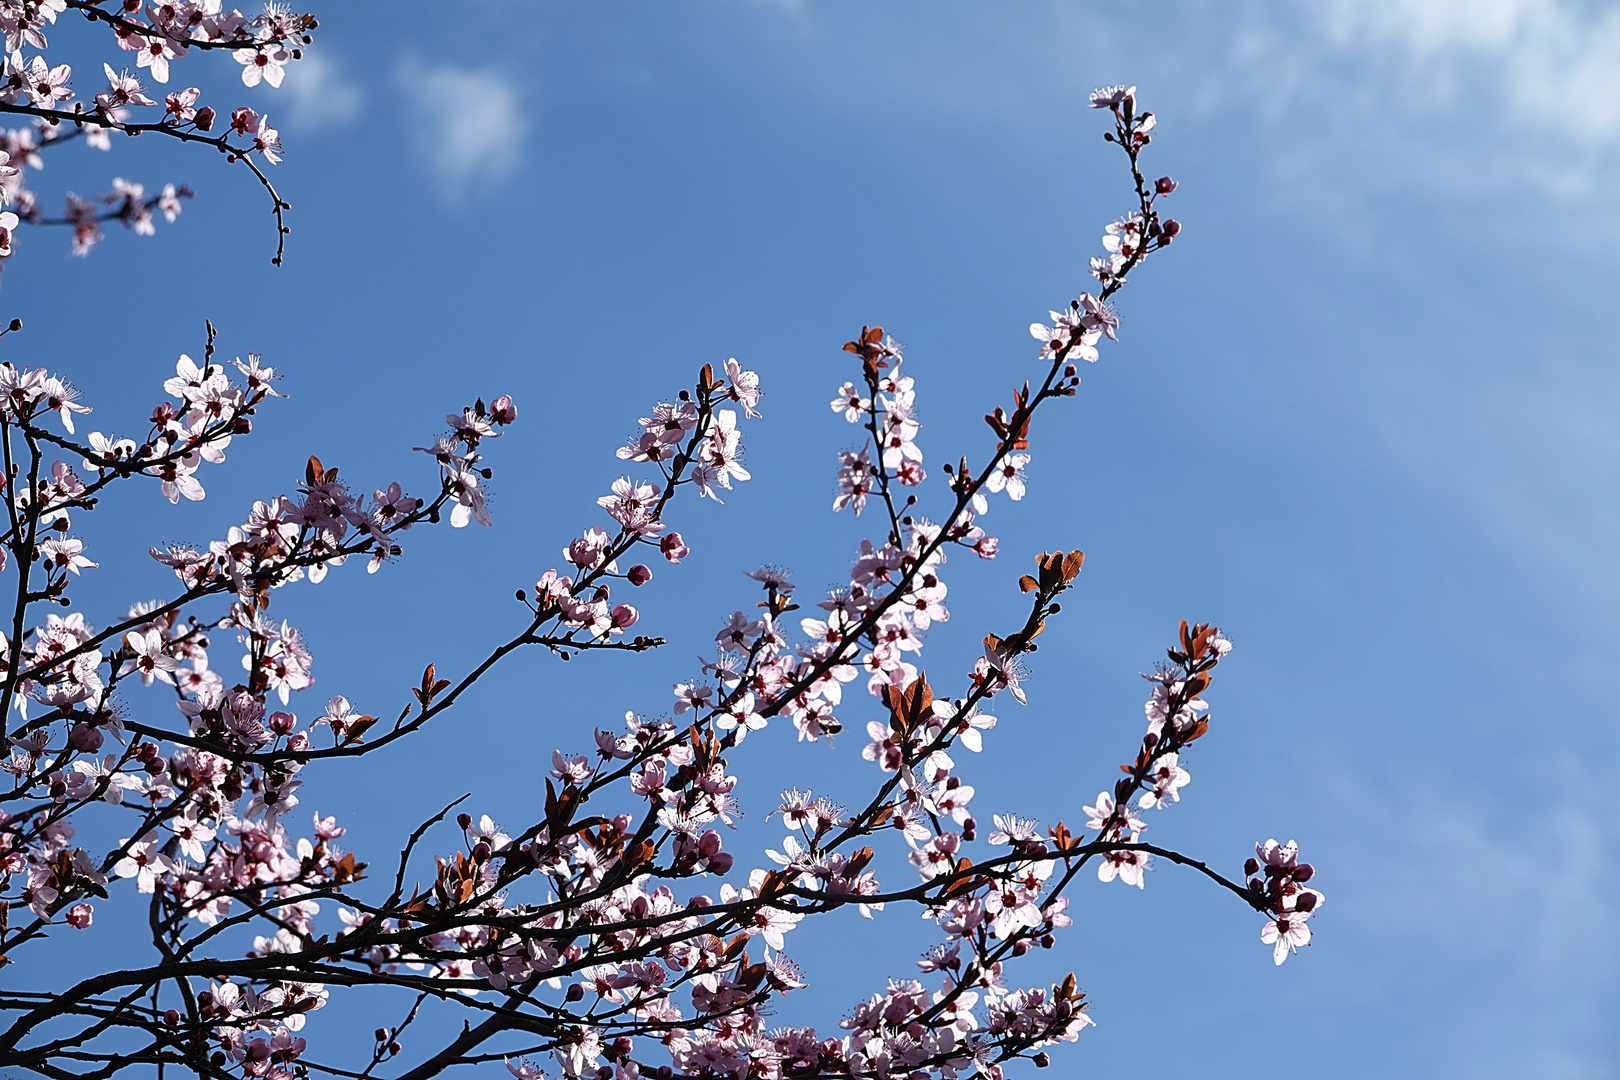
pixel 469 124
pixel 318 95
pixel 1553 64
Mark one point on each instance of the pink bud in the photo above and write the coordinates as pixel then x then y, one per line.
pixel 1171 228
pixel 1306 902
pixel 1164 185
pixel 85 738
pixel 625 616
pixel 1251 867
pixel 673 548
pixel 79 916
pixel 465 821
pixel 639 575
pixel 502 411
pixel 205 118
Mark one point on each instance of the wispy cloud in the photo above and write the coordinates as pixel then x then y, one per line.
pixel 469 124
pixel 1554 64
pixel 318 95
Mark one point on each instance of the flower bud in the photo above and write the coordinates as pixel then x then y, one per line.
pixel 205 118
pixel 502 411
pixel 1042 1060
pixel 1251 867
pixel 673 548
pixel 1164 185
pixel 1306 902
pixel 1304 872
pixel 575 992
pixel 465 821
pixel 85 738
pixel 480 852
pixel 1020 947
pixel 381 1034
pixel 639 575
pixel 625 616
pixel 172 1017
pixel 1171 228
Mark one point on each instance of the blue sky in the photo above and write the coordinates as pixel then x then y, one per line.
pixel 1360 415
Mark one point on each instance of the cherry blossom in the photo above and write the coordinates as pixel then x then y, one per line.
pixel 621 932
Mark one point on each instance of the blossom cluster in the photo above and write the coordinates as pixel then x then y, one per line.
pixel 153 38
pixel 617 932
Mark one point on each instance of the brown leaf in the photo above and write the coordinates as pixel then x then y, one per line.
pixel 912 706
pixel 357 729
pixel 1028 584
pixel 857 862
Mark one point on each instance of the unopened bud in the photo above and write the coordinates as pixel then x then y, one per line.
pixel 639 575
pixel 673 548
pixel 1171 228
pixel 172 1017
pixel 1020 947
pixel 85 738
pixel 465 821
pixel 1306 902
pixel 1164 185
pixel 382 1034
pixel 1042 1060
pixel 1304 872
pixel 1251 867
pixel 480 852
pixel 205 118
pixel 574 993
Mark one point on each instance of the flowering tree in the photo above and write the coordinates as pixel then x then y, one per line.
pixel 33 87
pixel 611 935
